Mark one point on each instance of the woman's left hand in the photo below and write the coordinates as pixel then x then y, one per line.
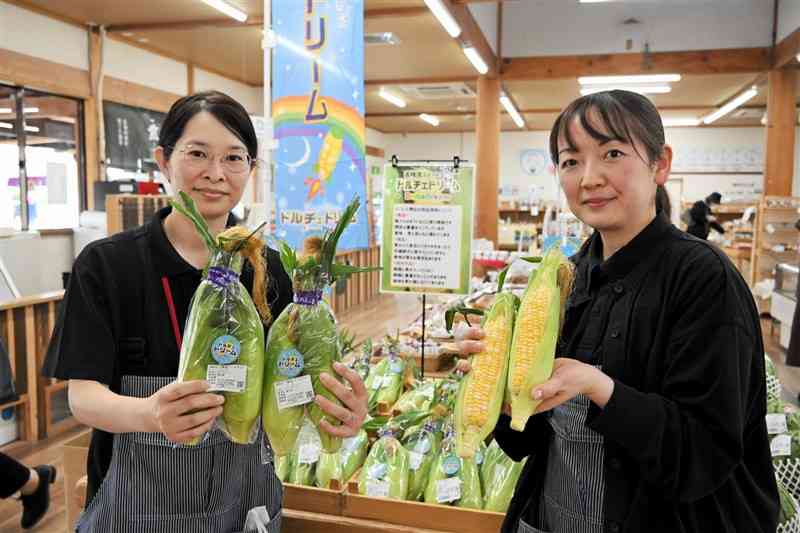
pixel 570 378
pixel 353 410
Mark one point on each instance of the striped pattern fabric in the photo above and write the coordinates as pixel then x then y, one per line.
pixel 574 487
pixel 156 486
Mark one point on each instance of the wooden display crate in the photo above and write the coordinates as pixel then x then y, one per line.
pixel 418 515
pixel 313 499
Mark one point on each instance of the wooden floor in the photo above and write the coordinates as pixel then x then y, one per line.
pixel 373 320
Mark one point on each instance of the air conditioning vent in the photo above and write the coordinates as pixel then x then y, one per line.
pixel 439 91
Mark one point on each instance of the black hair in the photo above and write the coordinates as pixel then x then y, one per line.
pixel 714 198
pixel 663 203
pixel 224 108
pixel 626 116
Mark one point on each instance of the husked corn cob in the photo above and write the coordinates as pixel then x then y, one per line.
pixel 480 395
pixel 535 335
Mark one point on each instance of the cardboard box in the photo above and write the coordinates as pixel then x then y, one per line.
pixel 75 451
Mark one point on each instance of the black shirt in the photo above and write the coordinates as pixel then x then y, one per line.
pixel 675 326
pixel 114 319
pixel 699 224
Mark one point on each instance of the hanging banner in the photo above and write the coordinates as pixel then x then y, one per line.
pixel 427 228
pixel 131 136
pixel 318 114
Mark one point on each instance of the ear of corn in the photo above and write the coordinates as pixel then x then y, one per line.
pixel 305 455
pixel 500 487
pixel 387 466
pixel 448 467
pixel 480 394
pixel 422 448
pixel 283 467
pixel 418 398
pixel 535 336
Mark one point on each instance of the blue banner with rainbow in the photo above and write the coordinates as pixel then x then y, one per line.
pixel 318 114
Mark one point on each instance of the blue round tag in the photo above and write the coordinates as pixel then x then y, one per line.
pixel 290 363
pixel 226 349
pixel 451 465
pixel 396 367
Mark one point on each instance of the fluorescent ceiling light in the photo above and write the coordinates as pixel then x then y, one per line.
pixel 730 106
pixel 594 1
pixel 5 110
pixel 641 89
pixel 391 98
pixel 475 58
pixel 444 17
pixel 509 105
pixel 615 80
pixel 6 125
pixel 798 57
pixel 430 119
pixel 30 110
pixel 32 129
pixel 674 122
pixel 225 7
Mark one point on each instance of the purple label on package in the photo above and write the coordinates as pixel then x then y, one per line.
pixel 222 277
pixel 307 297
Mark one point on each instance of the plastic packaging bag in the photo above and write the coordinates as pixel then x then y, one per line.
pixel 343 464
pixel 283 467
pixel 454 480
pixel 422 449
pixel 500 487
pixel 305 456
pixel 385 381
pixel 416 399
pixel 304 342
pixel 385 471
pixel 223 342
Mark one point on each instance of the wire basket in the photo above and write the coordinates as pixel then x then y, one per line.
pixel 793 525
pixel 773 387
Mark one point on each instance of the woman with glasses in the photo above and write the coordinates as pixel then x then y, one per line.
pixel 117 341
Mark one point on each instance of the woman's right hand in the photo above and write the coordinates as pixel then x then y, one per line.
pixel 184 411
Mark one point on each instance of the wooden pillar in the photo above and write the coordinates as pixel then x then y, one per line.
pixel 487 145
pixel 781 123
pixel 91 107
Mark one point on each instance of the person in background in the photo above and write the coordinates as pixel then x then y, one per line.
pixel 33 485
pixel 700 220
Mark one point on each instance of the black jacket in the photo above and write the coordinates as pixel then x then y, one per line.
pixel 686 446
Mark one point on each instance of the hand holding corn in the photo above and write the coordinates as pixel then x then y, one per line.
pixel 354 409
pixel 571 378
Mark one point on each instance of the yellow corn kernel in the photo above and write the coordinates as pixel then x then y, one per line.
pixel 486 369
pixel 531 322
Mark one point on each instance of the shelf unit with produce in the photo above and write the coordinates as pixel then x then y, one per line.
pixel 776 238
pixel 737 242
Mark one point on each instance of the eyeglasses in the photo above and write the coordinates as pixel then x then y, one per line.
pixel 233 161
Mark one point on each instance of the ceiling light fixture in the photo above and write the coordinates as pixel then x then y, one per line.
pixel 678 122
pixel 6 125
pixel 594 1
pixel 475 58
pixel 641 89
pixel 730 106
pixel 512 111
pixel 444 17
pixel 32 129
pixel 430 119
pixel 615 80
pixel 30 110
pixel 391 98
pixel 225 7
pixel 5 110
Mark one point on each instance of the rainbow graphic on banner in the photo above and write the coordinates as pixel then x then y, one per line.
pixel 318 118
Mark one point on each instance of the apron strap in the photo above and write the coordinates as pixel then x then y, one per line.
pixel 173 316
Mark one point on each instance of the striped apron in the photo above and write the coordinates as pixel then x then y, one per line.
pixel 157 486
pixel 574 483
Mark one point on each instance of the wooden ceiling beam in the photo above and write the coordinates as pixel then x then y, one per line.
pixel 786 51
pixel 724 61
pixel 395 12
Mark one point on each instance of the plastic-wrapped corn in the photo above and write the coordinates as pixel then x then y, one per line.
pixel 223 342
pixel 385 381
pixel 500 487
pixel 490 458
pixel 283 467
pixel 417 399
pixel 385 471
pixel 454 480
pixel 303 342
pixel 422 449
pixel 343 464
pixel 305 456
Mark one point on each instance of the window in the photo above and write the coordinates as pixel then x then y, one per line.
pixel 42 169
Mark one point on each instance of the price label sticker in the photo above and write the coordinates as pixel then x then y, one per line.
pixel 415 460
pixel 448 490
pixel 294 392
pixel 308 454
pixel 781 446
pixel 226 378
pixel 776 424
pixel 378 489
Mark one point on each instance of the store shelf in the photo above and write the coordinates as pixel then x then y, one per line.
pixel 785 215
